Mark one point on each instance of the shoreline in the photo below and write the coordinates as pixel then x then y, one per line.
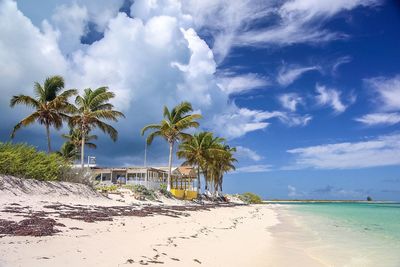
pixel 238 235
pixel 61 224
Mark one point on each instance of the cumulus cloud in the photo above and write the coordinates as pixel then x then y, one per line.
pixel 332 97
pixel 290 101
pixel 288 74
pixel 380 151
pixel 245 152
pixel 254 168
pixel 70 22
pixel 154 58
pixel 27 54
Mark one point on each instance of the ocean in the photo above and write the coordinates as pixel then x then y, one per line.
pixel 347 234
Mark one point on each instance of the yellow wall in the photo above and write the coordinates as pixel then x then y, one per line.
pixel 184 194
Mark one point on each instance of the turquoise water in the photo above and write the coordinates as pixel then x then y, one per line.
pixel 350 234
pixel 380 219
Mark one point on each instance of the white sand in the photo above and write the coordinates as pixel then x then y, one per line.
pixel 237 236
pixel 227 236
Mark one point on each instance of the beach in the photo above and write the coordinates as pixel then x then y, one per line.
pixel 232 236
pixel 64 224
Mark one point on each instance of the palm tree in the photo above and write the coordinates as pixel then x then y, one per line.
pixel 50 105
pixel 70 149
pixel 218 164
pixel 198 150
pixel 224 164
pixel 91 109
pixel 171 129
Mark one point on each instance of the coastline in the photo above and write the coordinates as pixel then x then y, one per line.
pixel 87 228
pixel 219 236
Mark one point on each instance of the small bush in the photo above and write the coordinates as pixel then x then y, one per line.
pixel 163 190
pixel 250 198
pixel 25 161
pixel 142 191
pixel 107 188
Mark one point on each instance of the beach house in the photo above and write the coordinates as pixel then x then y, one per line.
pixel 183 179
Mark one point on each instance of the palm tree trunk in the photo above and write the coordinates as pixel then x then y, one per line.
pixel 171 146
pixel 83 150
pixel 205 173
pixel 198 180
pixel 48 138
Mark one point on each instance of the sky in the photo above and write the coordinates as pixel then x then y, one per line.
pixel 308 91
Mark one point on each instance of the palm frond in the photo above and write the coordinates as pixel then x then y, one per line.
pixel 148 127
pixel 108 129
pixel 52 86
pixel 25 100
pixel 25 122
pixel 151 136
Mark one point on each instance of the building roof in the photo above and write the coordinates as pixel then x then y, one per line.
pixel 186 171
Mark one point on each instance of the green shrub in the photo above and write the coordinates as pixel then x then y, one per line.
pixel 250 198
pixel 107 188
pixel 163 190
pixel 24 161
pixel 143 191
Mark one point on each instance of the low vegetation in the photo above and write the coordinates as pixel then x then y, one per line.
pixel 107 188
pixel 164 191
pixel 250 198
pixel 25 161
pixel 142 192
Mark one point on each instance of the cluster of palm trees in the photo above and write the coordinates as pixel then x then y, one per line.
pixel 51 108
pixel 210 155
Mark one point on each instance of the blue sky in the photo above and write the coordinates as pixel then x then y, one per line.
pixel 309 91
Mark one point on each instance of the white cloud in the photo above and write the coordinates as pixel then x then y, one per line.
pixel 380 151
pixel 380 119
pixel 292 119
pixel 27 54
pixel 247 153
pixel 339 62
pixel 241 83
pixel 332 97
pixel 300 21
pixel 148 62
pixel 71 23
pixel 388 91
pixel 290 101
pixel 225 19
pixel 254 168
pixel 288 74
pixel 238 123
